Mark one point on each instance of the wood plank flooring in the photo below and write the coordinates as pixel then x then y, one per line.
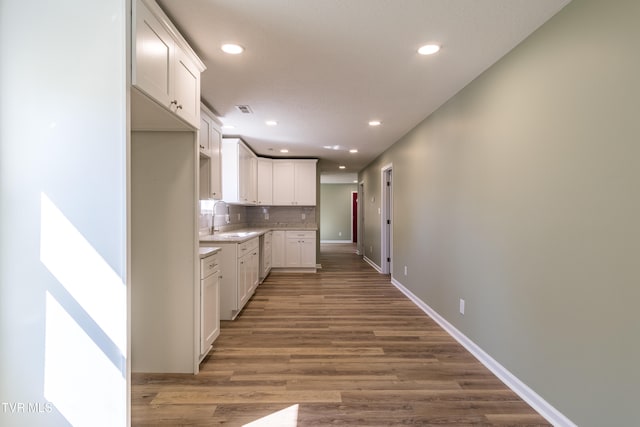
pixel 345 346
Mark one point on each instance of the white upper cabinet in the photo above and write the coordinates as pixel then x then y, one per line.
pixel 204 132
pixel 294 182
pixel 187 88
pixel 249 170
pixel 265 181
pixel 210 144
pixel 283 187
pixel 215 156
pixel 239 170
pixel 305 182
pixel 164 66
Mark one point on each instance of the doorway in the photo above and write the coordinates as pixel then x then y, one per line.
pixel 360 222
pixel 386 219
pixel 354 217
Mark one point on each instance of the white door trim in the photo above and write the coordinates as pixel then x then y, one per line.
pixel 386 213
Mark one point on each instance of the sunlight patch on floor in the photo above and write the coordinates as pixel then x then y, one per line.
pixel 288 417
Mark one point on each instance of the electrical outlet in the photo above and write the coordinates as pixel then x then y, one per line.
pixel 339 233
pixel 370 249
pixel 405 270
pixel 266 216
pixel 303 216
pixel 238 217
pixel 461 306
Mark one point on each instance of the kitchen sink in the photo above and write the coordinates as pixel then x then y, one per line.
pixel 239 234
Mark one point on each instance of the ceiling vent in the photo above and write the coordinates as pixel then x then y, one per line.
pixel 244 109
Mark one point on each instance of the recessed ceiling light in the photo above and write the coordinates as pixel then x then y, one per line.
pixel 232 49
pixel 228 127
pixel 284 150
pixel 342 167
pixel 355 181
pixel 353 150
pixel 332 147
pixel 271 123
pixel 428 49
pixel 375 123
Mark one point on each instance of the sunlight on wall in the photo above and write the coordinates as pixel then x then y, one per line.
pixel 85 326
pixel 288 417
pixel 74 364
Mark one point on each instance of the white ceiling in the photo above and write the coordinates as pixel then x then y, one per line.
pixel 324 68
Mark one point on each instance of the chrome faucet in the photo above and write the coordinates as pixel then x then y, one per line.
pixel 213 214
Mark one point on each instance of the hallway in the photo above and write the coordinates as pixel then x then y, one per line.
pixel 345 346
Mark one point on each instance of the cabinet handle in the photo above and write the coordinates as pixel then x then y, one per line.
pixel 175 101
pixel 179 107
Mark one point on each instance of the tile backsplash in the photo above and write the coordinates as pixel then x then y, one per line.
pixel 228 217
pixel 262 216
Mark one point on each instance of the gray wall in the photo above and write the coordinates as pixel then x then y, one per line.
pixel 63 223
pixel 520 195
pixel 335 211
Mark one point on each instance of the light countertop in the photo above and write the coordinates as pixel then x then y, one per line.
pixel 206 251
pixel 241 235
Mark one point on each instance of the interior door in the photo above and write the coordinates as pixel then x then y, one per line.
pixel 354 216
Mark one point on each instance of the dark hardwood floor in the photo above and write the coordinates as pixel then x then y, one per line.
pixel 346 347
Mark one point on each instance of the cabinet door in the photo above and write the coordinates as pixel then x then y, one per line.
pixel 244 169
pixel 252 179
pixel 243 281
pixel 283 183
pixel 215 148
pixel 204 135
pixel 230 164
pixel 292 253
pixel 265 181
pixel 209 311
pixel 153 56
pixel 305 183
pixel 308 253
pixel 254 271
pixel 187 88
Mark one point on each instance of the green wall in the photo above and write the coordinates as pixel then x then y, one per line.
pixel 335 211
pixel 520 195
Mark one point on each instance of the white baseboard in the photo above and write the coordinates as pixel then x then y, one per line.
pixel 372 264
pixel 336 241
pixel 543 407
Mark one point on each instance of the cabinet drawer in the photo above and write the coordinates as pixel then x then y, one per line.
pixel 209 265
pixel 301 234
pixel 245 247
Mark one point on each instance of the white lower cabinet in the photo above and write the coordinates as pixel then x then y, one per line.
pixel 241 266
pixel 248 278
pixel 209 302
pixel 294 249
pixel 300 249
pixel 277 249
